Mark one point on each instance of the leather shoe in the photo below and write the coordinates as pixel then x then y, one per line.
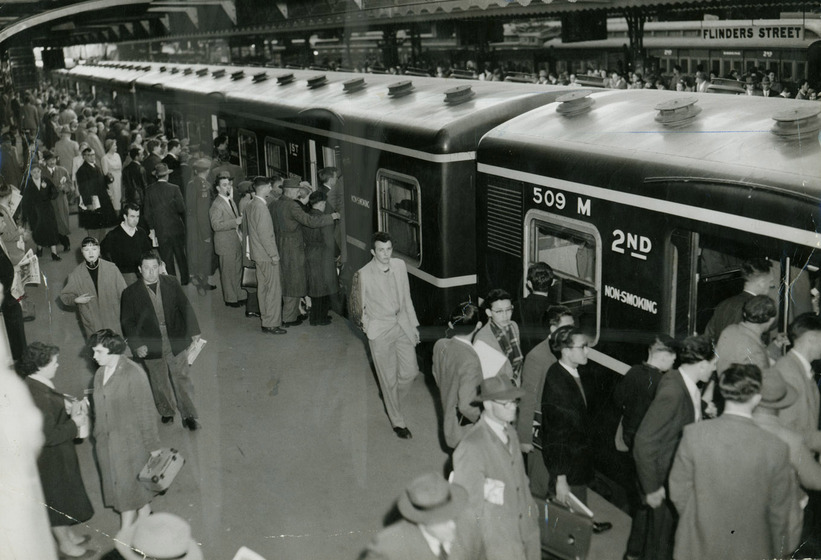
pixel 292 323
pixel 403 433
pixel 274 330
pixel 167 419
pixel 250 314
pixel 601 527
pixel 55 257
pixel 234 304
pixel 191 424
pixel 210 287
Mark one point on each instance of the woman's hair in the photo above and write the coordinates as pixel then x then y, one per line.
pixel 316 197
pixel 740 382
pixel 108 143
pixel 464 318
pixel 36 356
pixel 108 339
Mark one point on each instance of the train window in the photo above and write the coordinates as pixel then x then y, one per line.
pixel 248 158
pixel 572 249
pixel 275 160
pixel 178 125
pixel 399 207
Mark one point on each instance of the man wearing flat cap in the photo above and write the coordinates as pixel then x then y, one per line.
pixel 434 525
pixel 164 212
pixel 488 463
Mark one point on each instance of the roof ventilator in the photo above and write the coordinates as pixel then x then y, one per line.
pixel 163 69
pixel 175 70
pixel 459 94
pixel 202 72
pixel 188 71
pixel 283 79
pixel 677 113
pixel 218 73
pixel 400 89
pixel 799 123
pixel 238 75
pixel 575 103
pixel 317 81
pixel 355 84
pixel 261 77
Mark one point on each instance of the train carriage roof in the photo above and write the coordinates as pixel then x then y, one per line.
pixel 427 118
pixel 730 139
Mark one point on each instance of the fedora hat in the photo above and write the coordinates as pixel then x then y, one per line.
pixel 202 163
pixel 499 388
pixel 160 536
pixel 161 170
pixel 291 183
pixel 431 499
pixel 775 392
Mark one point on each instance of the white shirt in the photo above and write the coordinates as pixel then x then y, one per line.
pixel 571 370
pixel 498 428
pixel 433 542
pixel 695 394
pixel 738 413
pixel 804 363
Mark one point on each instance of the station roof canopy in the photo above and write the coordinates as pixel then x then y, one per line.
pixel 55 23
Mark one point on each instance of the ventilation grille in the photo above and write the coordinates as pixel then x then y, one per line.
pixel 504 219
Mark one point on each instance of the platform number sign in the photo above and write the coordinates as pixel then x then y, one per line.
pixel 293 149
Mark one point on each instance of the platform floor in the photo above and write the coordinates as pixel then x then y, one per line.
pixel 296 458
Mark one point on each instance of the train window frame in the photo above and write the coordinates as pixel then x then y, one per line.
pixel 268 167
pixel 384 213
pixel 241 151
pixel 532 219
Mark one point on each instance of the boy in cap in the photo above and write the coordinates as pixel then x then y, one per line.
pixel 489 464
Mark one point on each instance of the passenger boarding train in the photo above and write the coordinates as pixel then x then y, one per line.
pixel 644 202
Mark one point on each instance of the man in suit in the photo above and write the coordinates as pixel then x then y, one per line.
pixel 159 324
pixel 488 463
pixel 676 404
pixel 263 249
pixel 741 343
pixel 567 435
pixel 154 157
pixel 537 362
pixel 330 182
pixel 134 180
pixel 62 180
pixel 199 237
pixel 532 308
pixel 165 214
pixel 381 304
pixel 172 160
pixel 731 481
pixel 501 334
pixel 225 221
pixel 96 212
pixel 758 280
pixel 433 527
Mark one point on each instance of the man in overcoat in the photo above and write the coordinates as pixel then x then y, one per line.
pixel 164 211
pixel 199 237
pixel 160 325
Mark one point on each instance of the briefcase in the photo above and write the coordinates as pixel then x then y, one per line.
pixel 565 533
pixel 161 469
pixel 249 277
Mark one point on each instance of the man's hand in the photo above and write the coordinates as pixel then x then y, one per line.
pixel 416 338
pixel 196 337
pixel 526 447
pixel 335 215
pixel 84 298
pixel 656 498
pixel 142 351
pixel 562 490
pixel 238 220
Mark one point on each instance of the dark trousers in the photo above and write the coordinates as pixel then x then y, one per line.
pixel 252 302
pixel 319 309
pixel 663 520
pixel 171 248
pixel 13 318
pixel 810 546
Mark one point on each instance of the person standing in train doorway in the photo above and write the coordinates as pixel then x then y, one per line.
pixel 381 304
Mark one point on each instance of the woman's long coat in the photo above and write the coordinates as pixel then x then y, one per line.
pixel 103 311
pixel 38 211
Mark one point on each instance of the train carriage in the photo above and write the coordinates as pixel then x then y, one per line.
pixel 645 203
pixel 405 148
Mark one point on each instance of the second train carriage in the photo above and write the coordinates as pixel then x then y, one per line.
pixel 405 149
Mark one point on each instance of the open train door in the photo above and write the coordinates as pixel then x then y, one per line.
pixel 814 64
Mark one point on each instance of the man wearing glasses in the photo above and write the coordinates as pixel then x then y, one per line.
pixel 502 335
pixel 489 465
pixel 567 435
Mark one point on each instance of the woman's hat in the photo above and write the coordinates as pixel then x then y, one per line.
pixel 162 536
pixel 431 499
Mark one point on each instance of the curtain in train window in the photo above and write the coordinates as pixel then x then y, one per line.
pixel 248 158
pixel 276 161
pixel 399 206
pixel 178 125
pixel 572 251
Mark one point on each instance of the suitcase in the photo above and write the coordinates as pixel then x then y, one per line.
pixel 161 469
pixel 565 534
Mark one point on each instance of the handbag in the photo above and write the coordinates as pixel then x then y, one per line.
pixel 161 469
pixel 249 272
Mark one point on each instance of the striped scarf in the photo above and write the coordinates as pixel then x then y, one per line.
pixel 509 343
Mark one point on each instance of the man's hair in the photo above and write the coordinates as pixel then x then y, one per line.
pixel 174 143
pixel 133 206
pixel 150 255
pixel 563 338
pixel 695 349
pixel 496 294
pixel 540 275
pixel 86 150
pixel 803 324
pixel 740 382
pixel 108 339
pixel 755 267
pixel 259 181
pixel 152 145
pixel 134 152
pixel 759 309
pixel 380 237
pixel 317 197
pixel 664 343
pixel 553 315
pixel 221 139
pixel 464 318
pixel 326 173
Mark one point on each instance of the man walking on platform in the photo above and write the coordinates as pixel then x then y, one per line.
pixel 382 306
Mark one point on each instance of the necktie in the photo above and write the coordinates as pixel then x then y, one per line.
pixel 443 554
pixel 581 389
pixel 233 207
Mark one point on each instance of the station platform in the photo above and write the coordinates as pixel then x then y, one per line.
pixel 296 458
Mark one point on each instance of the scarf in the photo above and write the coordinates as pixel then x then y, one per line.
pixel 509 343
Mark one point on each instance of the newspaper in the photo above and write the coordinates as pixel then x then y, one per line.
pixel 27 271
pixel 194 349
pixel 14 201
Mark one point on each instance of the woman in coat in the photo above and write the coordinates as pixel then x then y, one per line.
pixel 125 427
pixel 112 166
pixel 63 487
pixel 319 260
pixel 38 211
